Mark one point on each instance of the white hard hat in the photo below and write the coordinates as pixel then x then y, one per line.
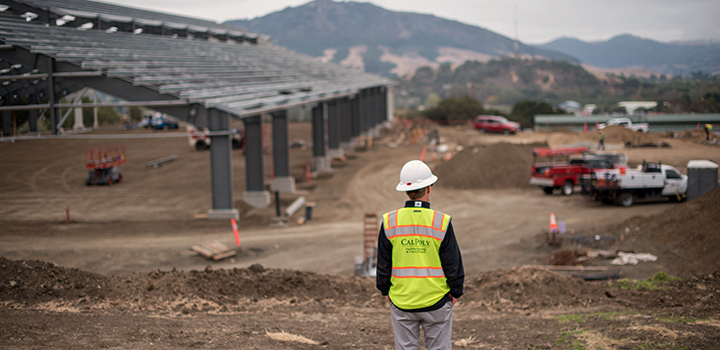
pixel 415 175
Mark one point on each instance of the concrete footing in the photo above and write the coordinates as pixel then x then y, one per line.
pixel 321 164
pixel 257 199
pixel 347 147
pixel 335 152
pixel 223 214
pixel 285 184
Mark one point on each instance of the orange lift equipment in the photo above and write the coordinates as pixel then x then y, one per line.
pixel 102 165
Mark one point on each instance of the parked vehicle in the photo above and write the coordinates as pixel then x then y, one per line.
pixel 491 123
pixel 626 123
pixel 200 139
pixel 566 173
pixel 650 181
pixel 162 122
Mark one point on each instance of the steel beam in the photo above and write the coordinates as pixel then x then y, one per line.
pixel 82 74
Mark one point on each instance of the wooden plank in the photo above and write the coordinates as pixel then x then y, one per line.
pixel 213 250
pixel 224 255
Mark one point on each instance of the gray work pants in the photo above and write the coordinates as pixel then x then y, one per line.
pixel 437 326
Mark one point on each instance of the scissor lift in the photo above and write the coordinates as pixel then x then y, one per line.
pixel 102 165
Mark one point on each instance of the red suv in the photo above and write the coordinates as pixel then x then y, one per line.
pixel 491 123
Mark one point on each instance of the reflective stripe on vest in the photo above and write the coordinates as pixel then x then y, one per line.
pixel 417 278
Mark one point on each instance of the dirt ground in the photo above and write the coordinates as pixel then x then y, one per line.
pixel 121 273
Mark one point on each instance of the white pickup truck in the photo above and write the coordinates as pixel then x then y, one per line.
pixel 650 181
pixel 626 123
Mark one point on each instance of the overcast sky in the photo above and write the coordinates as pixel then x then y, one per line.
pixel 538 21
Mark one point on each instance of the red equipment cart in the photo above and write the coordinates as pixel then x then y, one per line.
pixel 103 165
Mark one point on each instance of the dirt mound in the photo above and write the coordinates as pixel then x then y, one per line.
pixel 529 287
pixel 177 292
pixel 495 166
pixel 37 281
pixel 685 235
pixel 619 134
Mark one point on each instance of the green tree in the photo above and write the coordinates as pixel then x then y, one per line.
pixel 524 111
pixel 454 110
pixel 136 114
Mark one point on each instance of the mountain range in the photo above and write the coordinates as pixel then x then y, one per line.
pixel 369 38
pixel 631 51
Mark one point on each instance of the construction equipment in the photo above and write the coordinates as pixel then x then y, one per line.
pixel 103 165
pixel 650 181
pixel 367 266
pixel 200 138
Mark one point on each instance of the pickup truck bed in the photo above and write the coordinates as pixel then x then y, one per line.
pixel 566 175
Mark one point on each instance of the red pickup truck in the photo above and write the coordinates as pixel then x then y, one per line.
pixel 566 173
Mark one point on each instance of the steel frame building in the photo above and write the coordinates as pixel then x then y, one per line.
pixel 198 71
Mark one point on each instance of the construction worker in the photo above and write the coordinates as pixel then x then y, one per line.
pixel 601 141
pixel 708 129
pixel 419 265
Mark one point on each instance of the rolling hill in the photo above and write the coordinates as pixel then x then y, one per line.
pixel 385 42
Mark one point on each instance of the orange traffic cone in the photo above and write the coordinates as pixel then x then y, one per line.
pixel 235 231
pixel 553 223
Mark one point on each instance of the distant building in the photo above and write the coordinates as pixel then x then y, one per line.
pixel 588 109
pixel 631 106
pixel 570 106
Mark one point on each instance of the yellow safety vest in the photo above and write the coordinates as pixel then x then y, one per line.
pixel 417 278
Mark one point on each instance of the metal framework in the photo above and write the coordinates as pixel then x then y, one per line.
pixel 195 70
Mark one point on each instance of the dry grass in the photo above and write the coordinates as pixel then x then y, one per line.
pixel 667 333
pixel 282 336
pixel 465 342
pixel 595 340
pixel 710 322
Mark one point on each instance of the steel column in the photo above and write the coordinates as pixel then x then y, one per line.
pixel 333 123
pixel 364 111
pixel 221 166
pixel 7 123
pixel 255 194
pixel 282 182
pixel 384 103
pixel 33 115
pixel 318 131
pixel 346 124
pixel 51 96
pixel 354 113
pixel 320 161
pixel 333 130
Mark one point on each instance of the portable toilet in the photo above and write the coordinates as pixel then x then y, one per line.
pixel 702 178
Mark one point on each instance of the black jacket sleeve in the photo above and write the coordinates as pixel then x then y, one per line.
pixel 452 262
pixel 384 262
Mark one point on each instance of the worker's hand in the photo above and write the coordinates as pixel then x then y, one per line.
pixel 388 299
pixel 453 299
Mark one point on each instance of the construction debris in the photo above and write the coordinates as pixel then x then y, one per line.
pixel 159 162
pixel 632 258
